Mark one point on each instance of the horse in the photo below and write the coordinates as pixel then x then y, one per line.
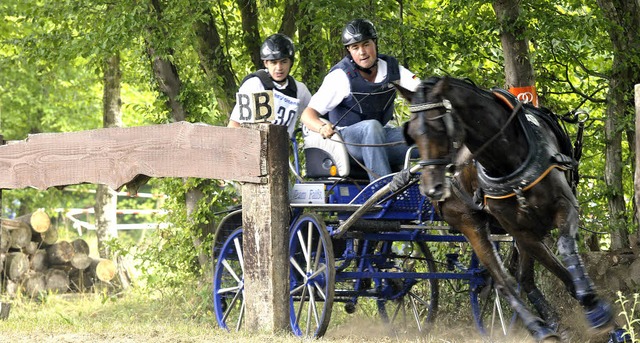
pixel 519 163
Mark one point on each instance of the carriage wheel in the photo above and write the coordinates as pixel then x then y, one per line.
pixel 228 283
pixel 415 309
pixel 492 312
pixel 312 277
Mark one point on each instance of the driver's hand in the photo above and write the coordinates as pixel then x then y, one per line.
pixel 326 131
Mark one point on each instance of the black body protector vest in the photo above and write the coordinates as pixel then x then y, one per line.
pixel 367 100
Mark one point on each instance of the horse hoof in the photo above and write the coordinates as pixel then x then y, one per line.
pixel 599 317
pixel 619 335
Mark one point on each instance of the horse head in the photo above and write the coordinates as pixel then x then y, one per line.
pixel 432 128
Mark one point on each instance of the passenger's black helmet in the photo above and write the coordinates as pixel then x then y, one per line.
pixel 276 47
pixel 358 30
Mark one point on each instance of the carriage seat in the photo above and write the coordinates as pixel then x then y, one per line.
pixel 328 158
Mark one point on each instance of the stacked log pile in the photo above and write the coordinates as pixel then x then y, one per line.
pixel 34 260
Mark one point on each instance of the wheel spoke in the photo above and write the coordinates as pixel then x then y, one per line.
pixel 416 313
pixel 241 316
pixel 229 268
pixel 233 289
pixel 231 305
pixel 301 305
pixel 320 290
pixel 498 306
pixel 303 246
pixel 236 243
pixel 297 267
pixel 310 230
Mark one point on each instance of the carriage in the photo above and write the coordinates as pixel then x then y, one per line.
pixel 351 239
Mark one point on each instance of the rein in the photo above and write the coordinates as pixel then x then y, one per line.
pixel 446 117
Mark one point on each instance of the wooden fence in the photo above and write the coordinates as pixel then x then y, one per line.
pixel 256 155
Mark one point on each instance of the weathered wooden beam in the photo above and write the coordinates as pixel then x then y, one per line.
pixel 265 218
pixel 115 156
pixel 637 171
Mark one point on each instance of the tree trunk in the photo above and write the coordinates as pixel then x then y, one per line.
pixel 215 62
pixel 311 62
pixel 637 159
pixel 106 198
pixel 252 41
pixel 106 219
pixel 624 17
pixel 192 199
pixel 165 71
pixel 519 75
pixel 291 12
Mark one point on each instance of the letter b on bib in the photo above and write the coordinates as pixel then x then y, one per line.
pixel 255 107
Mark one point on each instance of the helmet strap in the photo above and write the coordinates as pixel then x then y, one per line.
pixel 369 70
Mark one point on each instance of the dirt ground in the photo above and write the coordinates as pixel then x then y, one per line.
pixel 611 272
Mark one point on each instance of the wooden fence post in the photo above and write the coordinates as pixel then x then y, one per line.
pixel 265 218
pixel 636 178
pixel 4 306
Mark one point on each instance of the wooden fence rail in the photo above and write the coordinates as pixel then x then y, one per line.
pixel 256 155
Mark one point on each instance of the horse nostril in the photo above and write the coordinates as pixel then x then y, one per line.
pixel 435 192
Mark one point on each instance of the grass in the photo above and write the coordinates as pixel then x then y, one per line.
pixel 172 317
pixel 185 316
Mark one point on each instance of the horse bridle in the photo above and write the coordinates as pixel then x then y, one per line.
pixel 448 121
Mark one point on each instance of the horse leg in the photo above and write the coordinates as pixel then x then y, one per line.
pixel 544 255
pixel 525 274
pixel 488 256
pixel 597 310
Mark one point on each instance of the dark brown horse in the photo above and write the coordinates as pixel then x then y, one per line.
pixel 521 167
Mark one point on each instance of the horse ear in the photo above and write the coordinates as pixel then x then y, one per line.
pixel 407 137
pixel 405 93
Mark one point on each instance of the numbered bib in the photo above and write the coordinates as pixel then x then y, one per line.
pixel 263 106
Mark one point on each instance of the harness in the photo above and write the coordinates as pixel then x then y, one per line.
pixel 542 158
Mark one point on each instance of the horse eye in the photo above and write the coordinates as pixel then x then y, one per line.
pixel 450 169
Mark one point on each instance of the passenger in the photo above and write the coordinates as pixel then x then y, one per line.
pixel 277 54
pixel 357 94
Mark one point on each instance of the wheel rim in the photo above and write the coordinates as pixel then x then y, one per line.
pixel 312 277
pixel 228 284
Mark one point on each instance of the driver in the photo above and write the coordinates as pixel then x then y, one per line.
pixel 358 97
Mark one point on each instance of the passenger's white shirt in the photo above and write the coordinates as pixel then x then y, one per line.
pixel 254 85
pixel 336 87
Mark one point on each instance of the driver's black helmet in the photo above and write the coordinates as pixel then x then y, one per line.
pixel 358 30
pixel 277 47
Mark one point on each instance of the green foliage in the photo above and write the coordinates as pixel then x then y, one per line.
pixel 631 320
pixel 51 55
pixel 168 257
